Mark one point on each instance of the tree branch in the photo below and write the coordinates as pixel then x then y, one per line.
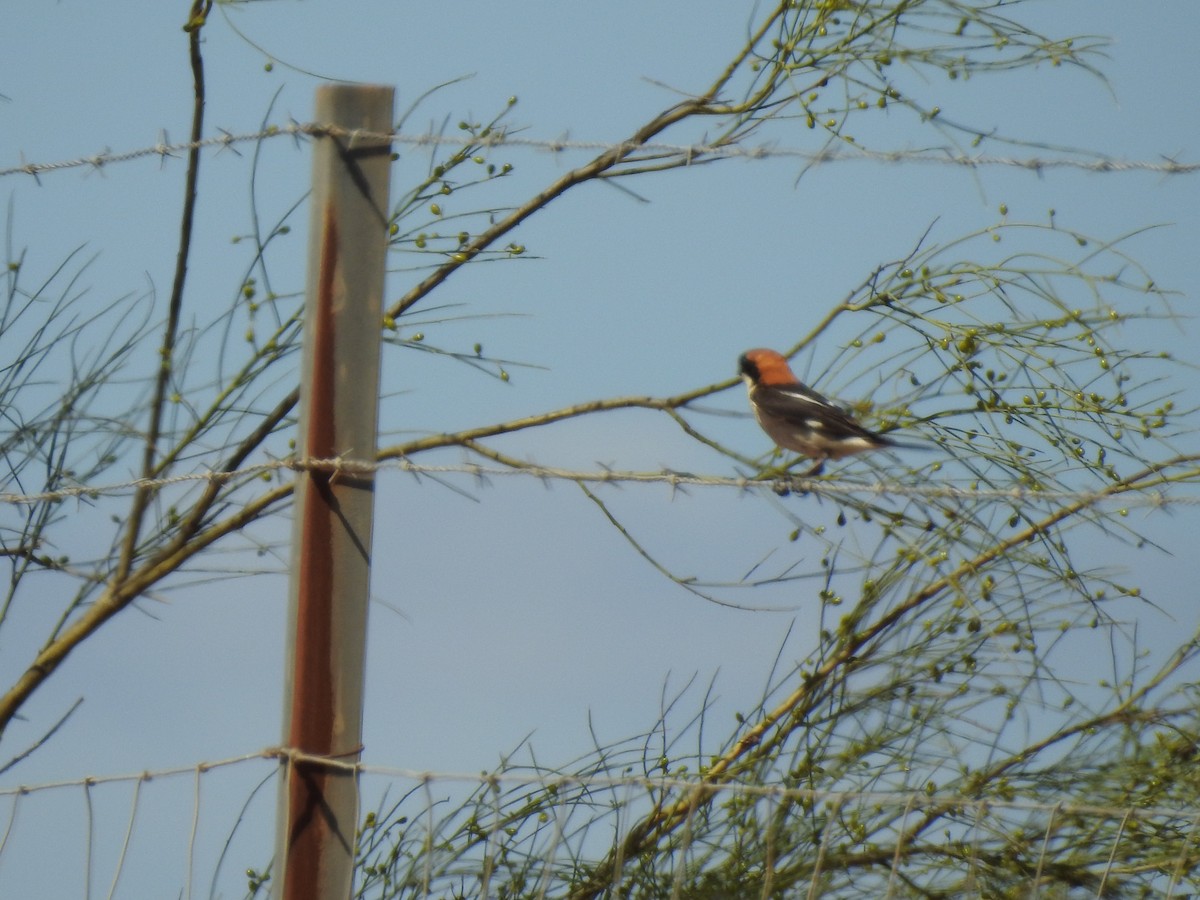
pixel 141 498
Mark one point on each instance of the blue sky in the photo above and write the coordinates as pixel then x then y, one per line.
pixel 524 614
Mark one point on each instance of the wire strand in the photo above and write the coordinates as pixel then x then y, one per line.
pixel 786 483
pixel 690 152
pixel 899 799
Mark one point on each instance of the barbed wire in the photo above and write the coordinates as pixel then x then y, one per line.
pixel 783 483
pixel 689 152
pixel 117 839
pixel 112 845
pixel 291 756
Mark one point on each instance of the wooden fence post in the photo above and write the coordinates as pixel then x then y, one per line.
pixel 331 542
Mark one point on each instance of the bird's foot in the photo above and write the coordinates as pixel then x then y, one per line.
pixel 815 470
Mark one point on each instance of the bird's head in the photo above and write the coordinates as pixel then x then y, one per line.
pixel 762 366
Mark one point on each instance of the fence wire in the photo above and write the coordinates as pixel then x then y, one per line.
pixel 829 485
pixel 165 148
pixel 447 832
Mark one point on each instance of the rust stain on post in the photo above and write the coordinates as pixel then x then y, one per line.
pixel 312 725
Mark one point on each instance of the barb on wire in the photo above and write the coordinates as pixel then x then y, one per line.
pixel 829 486
pixel 227 139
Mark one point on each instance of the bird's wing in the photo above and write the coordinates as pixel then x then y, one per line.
pixel 799 403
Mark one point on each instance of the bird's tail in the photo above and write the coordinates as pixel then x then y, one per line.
pixel 905 445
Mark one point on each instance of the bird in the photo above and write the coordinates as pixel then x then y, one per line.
pixel 797 418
